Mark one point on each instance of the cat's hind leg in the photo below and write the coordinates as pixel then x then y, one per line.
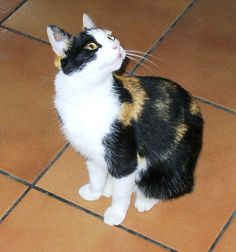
pixel 97 179
pixel 143 203
pixel 122 189
pixel 107 192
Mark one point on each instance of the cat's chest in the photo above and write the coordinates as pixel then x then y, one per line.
pixel 87 117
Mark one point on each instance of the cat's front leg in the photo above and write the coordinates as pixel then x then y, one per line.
pixel 122 189
pixel 97 179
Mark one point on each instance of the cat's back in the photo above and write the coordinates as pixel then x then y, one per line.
pixel 170 117
pixel 168 100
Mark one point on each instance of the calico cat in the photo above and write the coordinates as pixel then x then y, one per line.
pixel 138 134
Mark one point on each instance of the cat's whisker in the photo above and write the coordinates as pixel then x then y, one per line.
pixel 141 57
pixel 142 53
pixel 144 59
pixel 145 66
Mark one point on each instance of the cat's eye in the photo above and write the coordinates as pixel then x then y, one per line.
pixel 111 37
pixel 91 46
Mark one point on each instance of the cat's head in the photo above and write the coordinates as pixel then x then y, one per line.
pixel 90 51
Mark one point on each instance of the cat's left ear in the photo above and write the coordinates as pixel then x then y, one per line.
pixel 59 40
pixel 88 22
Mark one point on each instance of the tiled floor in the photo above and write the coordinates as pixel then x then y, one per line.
pixel 194 43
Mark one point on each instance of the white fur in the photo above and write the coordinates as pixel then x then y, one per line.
pixel 88 107
pixel 142 166
pixel 87 110
pixel 97 179
pixel 58 46
pixel 121 192
pixel 88 22
pixel 142 203
pixel 107 192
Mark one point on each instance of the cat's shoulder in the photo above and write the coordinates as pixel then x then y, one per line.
pixel 149 84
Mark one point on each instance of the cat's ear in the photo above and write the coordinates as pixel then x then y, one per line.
pixel 88 22
pixel 59 40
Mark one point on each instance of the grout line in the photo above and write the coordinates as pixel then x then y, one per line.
pixel 162 36
pixel 214 104
pixel 53 160
pixel 13 11
pixel 24 34
pixel 218 238
pixel 7 213
pixel 72 204
pixel 11 176
pixel 98 216
pixel 146 238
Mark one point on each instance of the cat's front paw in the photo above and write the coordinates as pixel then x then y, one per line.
pixel 87 193
pixel 113 217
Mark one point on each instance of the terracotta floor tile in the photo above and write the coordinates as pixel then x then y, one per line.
pixel 196 218
pixel 10 191
pixel 199 53
pixel 136 23
pixel 7 6
pixel 228 241
pixel 40 223
pixel 66 176
pixel 29 134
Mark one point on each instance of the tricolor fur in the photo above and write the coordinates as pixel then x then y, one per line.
pixel 138 134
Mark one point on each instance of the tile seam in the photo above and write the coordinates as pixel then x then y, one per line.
pixel 13 11
pixel 72 204
pixel 222 232
pixel 29 185
pixel 24 34
pixel 19 199
pixel 98 216
pixel 14 205
pixel 51 162
pixel 215 105
pixel 162 36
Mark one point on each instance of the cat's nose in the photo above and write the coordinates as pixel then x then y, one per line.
pixel 116 45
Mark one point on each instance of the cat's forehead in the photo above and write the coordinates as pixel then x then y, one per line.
pixel 100 35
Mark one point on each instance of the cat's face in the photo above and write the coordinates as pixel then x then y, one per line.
pixel 91 51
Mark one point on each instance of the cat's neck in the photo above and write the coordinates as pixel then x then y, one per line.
pixel 83 86
pixel 85 81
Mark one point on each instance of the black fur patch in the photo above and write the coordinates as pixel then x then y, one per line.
pixel 123 94
pixel 121 153
pixel 166 134
pixel 77 57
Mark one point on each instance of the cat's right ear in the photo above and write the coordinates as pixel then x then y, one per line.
pixel 59 40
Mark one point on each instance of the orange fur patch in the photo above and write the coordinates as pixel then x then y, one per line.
pixel 131 111
pixel 194 108
pixel 57 62
pixel 180 132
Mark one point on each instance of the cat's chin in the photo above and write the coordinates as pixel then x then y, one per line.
pixel 118 63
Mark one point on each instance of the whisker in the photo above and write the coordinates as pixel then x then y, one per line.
pixel 149 69
pixel 144 59
pixel 142 53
